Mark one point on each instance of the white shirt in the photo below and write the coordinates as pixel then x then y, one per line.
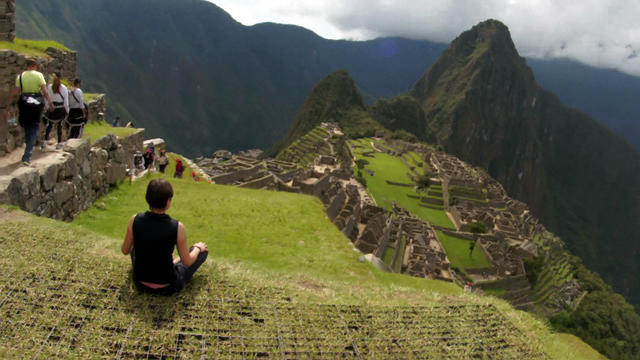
pixel 63 97
pixel 72 101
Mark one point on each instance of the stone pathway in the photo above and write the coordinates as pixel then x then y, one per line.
pixel 10 163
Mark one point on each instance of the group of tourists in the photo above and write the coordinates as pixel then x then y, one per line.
pixel 54 105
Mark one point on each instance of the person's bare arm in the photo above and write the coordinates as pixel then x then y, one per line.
pixel 187 257
pixel 127 244
pixel 45 92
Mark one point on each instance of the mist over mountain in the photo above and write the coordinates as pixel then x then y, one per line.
pixel 191 74
pixel 482 102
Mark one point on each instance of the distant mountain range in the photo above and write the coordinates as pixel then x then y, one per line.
pixel 191 74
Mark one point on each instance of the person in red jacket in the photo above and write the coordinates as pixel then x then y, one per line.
pixel 179 169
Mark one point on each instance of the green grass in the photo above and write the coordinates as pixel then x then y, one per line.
pixel 457 250
pixel 96 129
pixel 495 292
pixel 289 236
pixel 389 255
pixel 271 253
pixel 87 97
pixel 387 167
pixel 31 47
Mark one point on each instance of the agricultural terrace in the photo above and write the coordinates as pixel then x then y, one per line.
pixel 383 167
pixel 96 129
pixel 281 282
pixel 305 149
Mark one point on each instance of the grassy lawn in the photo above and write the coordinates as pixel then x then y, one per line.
pixel 458 252
pixel 96 129
pixel 278 233
pixel 386 167
pixel 275 258
pixel 31 47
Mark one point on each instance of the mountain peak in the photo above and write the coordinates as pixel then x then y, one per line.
pixel 334 99
pixel 481 65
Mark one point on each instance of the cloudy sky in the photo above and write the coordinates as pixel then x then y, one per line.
pixel 603 33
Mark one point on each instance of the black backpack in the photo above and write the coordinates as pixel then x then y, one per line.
pixel 84 105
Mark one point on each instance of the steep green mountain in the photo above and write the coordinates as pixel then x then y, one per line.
pixel 483 104
pixel 334 99
pixel 191 74
pixel 401 113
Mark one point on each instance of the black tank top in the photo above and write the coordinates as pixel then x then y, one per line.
pixel 154 238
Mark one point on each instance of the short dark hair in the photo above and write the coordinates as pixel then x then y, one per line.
pixel 159 191
pixel 77 82
pixel 31 62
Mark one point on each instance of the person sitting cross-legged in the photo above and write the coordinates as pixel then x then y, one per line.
pixel 151 238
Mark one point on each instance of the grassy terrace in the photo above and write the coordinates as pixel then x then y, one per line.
pixel 457 250
pixel 97 129
pixel 386 167
pixel 305 149
pixel 281 282
pixel 31 47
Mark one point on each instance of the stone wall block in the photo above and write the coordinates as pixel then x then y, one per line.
pixel 98 158
pixel 97 180
pixel 108 142
pixel 24 185
pixel 67 168
pixel 78 147
pixel 115 172
pixel 48 176
pixel 5 181
pixel 63 191
pixel 119 155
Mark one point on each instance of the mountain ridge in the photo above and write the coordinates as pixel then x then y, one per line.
pixel 269 82
pixel 571 170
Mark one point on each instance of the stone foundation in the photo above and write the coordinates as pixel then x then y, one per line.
pixel 65 183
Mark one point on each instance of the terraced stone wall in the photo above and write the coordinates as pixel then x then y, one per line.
pixel 65 183
pixel 7 20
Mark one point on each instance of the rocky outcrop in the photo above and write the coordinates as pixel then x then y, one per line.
pixel 64 183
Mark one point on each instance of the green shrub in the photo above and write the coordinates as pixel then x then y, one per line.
pixel 533 268
pixel 361 163
pixel 477 227
pixel 423 181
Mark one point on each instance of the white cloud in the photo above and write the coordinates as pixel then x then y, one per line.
pixel 603 33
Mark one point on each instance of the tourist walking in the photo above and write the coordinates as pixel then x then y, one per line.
pixel 77 111
pixel 60 96
pixel 32 90
pixel 148 158
pixel 179 169
pixel 163 160
pixel 151 238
